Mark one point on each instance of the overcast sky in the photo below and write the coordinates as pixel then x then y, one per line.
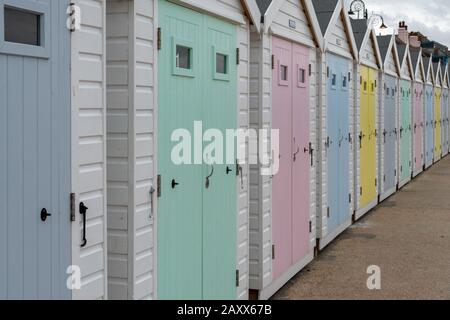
pixel 431 17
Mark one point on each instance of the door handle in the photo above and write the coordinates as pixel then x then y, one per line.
pixel 174 183
pixel 83 211
pixel 311 153
pixel 296 152
pixel 152 194
pixel 207 182
pixel 45 215
pixel 384 135
pixel 228 170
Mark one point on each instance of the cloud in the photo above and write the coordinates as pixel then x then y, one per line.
pixel 430 17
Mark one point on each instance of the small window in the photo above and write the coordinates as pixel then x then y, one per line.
pixel 373 87
pixel 387 91
pixel 183 58
pixel 393 91
pixel 22 26
pixel 221 63
pixel 333 80
pixel 283 73
pixel 302 76
pixel 344 82
pixel 365 85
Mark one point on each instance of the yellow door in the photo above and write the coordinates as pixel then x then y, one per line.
pixel 367 137
pixel 437 133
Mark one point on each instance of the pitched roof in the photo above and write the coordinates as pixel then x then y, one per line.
pixel 324 11
pixel 415 53
pixel 426 62
pixel 401 49
pixel 359 27
pixel 383 44
pixel 263 5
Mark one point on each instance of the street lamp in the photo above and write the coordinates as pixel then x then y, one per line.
pixel 377 18
pixel 358 6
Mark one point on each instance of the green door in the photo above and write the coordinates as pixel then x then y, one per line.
pixel 196 220
pixel 405 131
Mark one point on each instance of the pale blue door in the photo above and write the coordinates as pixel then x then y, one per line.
pixel 35 150
pixel 344 141
pixel 332 140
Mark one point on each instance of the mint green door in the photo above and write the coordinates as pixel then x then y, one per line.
pixel 405 131
pixel 196 249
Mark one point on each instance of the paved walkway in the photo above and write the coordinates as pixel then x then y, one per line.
pixel 407 236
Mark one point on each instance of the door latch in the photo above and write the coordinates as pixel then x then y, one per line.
pixel 83 211
pixel 44 215
pixel 152 195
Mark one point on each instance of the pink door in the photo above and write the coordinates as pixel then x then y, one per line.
pixel 290 115
pixel 301 160
pixel 418 127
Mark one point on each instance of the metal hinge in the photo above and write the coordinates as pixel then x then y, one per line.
pixel 73 15
pixel 159 40
pixel 361 191
pixel 72 207
pixel 328 212
pixel 238 56
pixel 328 72
pixel 273 61
pixel 360 80
pixel 273 252
pixel 384 178
pixel 349 198
pixel 158 186
pixel 349 76
pixel 310 226
pixel 237 278
pixel 310 70
pixel 376 182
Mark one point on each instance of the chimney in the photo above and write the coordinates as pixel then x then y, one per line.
pixel 414 41
pixel 403 31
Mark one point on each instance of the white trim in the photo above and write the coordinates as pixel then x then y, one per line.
pixel 323 242
pixel 361 212
pixel 253 10
pixel 387 194
pixel 276 285
pixel 370 33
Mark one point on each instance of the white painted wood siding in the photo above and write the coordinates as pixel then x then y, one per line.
pixel 260 186
pixel 89 147
pixel 338 42
pixel 390 66
pixel 292 11
pixel 368 54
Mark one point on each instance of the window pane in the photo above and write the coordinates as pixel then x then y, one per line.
pixel 221 63
pixel 183 57
pixel 22 26
pixel 302 75
pixel 333 80
pixel 284 72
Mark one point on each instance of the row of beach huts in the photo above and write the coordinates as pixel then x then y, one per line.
pixel 93 93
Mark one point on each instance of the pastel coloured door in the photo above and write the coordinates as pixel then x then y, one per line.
pixel 444 112
pixel 338 142
pixel 35 144
pixel 429 126
pixel 197 205
pixel 437 123
pixel 302 159
pixel 367 137
pixel 405 130
pixel 332 141
pixel 220 197
pixel 389 133
pixel 418 126
pixel 290 188
pixel 344 142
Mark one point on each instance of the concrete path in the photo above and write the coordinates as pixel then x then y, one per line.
pixel 407 236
